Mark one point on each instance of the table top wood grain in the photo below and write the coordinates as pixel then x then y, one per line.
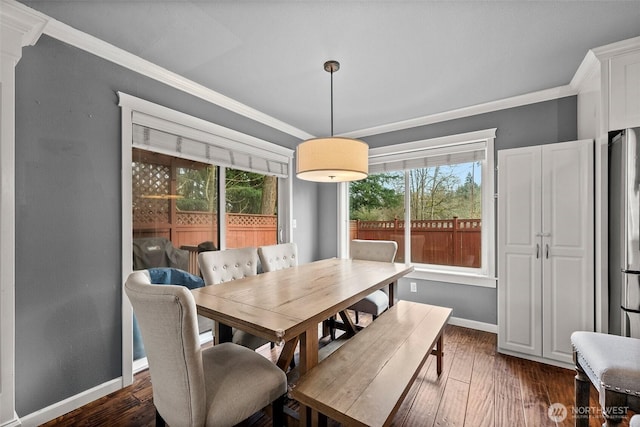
pixel 281 305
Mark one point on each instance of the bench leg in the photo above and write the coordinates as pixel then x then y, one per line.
pixel 322 420
pixel 305 416
pixel 311 418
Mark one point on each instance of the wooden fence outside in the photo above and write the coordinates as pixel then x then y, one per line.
pixel 455 241
pixel 193 228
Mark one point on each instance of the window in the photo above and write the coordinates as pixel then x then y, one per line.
pixel 173 198
pixel 177 170
pixel 251 205
pixel 175 209
pixel 442 188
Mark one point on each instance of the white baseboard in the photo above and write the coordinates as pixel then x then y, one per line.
pixel 557 363
pixel 74 402
pixel 473 324
pixel 15 422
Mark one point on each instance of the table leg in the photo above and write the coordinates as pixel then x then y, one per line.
pixel 392 293
pixel 439 355
pixel 350 328
pixel 221 333
pixel 287 353
pixel 308 349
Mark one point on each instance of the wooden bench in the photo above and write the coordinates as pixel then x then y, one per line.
pixel 364 382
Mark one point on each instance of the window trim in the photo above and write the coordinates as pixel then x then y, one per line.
pixel 132 109
pixel 485 276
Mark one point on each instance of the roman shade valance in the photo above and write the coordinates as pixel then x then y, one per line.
pixel 160 129
pixel 462 148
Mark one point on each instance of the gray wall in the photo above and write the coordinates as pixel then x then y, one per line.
pixel 541 123
pixel 68 208
pixel 305 212
pixel 68 226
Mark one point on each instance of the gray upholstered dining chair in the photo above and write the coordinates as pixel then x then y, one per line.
pixel 278 257
pixel 612 364
pixel 223 266
pixel 218 386
pixel 373 250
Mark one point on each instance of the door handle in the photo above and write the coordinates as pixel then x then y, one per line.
pixel 547 250
pixel 537 250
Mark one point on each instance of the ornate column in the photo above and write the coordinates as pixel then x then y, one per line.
pixel 19 27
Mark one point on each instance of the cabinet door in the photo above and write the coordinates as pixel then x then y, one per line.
pixel 519 251
pixel 624 102
pixel 567 225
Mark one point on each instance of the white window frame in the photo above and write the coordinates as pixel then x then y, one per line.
pixel 168 120
pixel 484 276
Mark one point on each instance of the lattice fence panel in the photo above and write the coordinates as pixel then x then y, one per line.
pixel 150 180
pixel 196 218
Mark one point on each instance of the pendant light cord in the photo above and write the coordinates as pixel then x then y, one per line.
pixel 331 102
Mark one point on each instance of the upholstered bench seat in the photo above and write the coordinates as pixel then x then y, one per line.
pixel 620 373
pixel 612 364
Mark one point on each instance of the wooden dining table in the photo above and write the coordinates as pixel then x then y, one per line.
pixel 286 306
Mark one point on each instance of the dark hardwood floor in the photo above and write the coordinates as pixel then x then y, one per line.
pixel 478 387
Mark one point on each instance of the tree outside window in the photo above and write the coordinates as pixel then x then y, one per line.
pixel 445 210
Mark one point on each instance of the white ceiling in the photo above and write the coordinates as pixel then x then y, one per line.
pixel 399 59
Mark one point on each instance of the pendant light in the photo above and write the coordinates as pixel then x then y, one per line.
pixel 332 159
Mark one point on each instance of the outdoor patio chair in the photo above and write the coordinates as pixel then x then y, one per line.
pixel 150 252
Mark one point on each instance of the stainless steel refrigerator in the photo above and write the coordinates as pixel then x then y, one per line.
pixel 624 233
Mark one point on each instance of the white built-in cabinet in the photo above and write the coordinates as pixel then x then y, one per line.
pixel 545 248
pixel 624 91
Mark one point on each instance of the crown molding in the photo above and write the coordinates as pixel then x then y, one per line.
pixel 589 67
pixel 618 48
pixel 20 26
pixel 487 107
pixel 109 52
pixel 19 13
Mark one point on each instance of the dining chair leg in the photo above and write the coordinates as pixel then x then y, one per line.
pixel 159 420
pixel 332 327
pixel 277 412
pixel 357 317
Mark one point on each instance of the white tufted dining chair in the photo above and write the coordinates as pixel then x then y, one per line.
pixel 373 250
pixel 278 257
pixel 224 266
pixel 218 386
